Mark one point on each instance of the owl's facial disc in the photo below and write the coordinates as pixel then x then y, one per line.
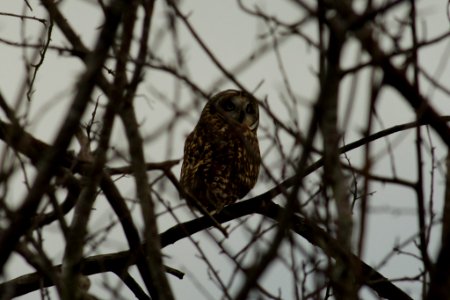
pixel 237 108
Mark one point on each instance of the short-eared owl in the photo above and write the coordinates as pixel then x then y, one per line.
pixel 221 156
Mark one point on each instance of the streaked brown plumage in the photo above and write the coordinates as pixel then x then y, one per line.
pixel 221 156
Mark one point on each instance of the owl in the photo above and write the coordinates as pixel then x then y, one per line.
pixel 221 155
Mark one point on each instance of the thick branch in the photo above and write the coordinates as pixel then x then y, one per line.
pixel 260 204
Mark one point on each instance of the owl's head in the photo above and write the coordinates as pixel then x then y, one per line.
pixel 236 107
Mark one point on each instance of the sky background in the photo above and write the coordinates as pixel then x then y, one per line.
pixel 232 35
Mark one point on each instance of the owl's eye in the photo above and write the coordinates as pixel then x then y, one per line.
pixel 228 105
pixel 250 109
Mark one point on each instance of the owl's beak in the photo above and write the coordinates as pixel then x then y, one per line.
pixel 244 122
pixel 241 117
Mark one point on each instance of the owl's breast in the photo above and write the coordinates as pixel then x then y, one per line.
pixel 221 163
